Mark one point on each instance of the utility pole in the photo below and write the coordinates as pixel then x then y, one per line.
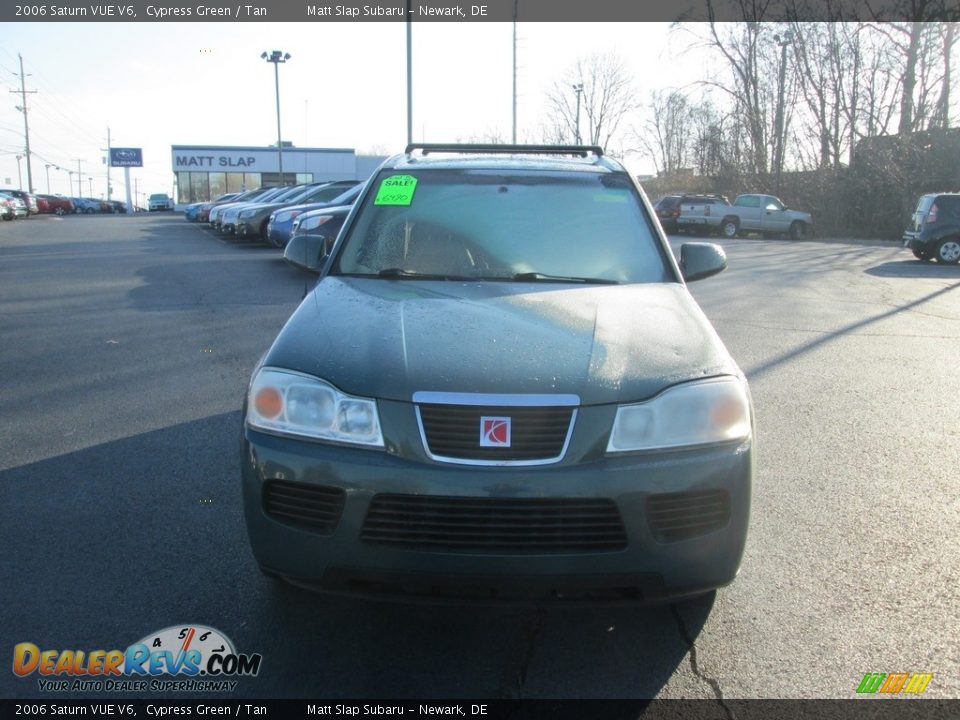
pixel 79 180
pixel 108 163
pixel 409 74
pixel 513 134
pixel 23 92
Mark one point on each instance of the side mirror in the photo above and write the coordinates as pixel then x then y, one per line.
pixel 700 260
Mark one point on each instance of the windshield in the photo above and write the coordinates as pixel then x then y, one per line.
pixel 518 225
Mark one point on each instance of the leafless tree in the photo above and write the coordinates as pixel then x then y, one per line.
pixel 607 97
pixel 666 134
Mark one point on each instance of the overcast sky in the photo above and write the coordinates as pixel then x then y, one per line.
pixel 157 85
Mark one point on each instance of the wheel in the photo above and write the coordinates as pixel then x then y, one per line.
pixel 949 251
pixel 798 230
pixel 921 255
pixel 58 211
pixel 730 227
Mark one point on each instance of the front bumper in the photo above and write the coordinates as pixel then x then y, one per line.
pixel 248 227
pixel 279 233
pixel 645 569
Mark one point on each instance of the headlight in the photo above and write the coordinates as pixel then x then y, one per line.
pixel 695 413
pixel 312 223
pixel 290 403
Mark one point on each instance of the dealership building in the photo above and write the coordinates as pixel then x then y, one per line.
pixel 205 172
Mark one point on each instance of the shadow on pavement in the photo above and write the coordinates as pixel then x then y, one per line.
pixel 914 269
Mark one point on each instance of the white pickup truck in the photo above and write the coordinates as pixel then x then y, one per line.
pixel 706 214
pixel 765 214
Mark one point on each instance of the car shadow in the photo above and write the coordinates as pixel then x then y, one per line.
pixel 914 269
pixel 127 537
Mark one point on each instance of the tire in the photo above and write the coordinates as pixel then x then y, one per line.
pixel 798 230
pixel 730 228
pixel 948 252
pixel 921 255
pixel 58 212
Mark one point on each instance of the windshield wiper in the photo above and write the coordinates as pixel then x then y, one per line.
pixel 395 272
pixel 543 277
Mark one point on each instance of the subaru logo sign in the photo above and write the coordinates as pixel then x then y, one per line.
pixel 126 157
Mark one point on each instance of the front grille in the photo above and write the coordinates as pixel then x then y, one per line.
pixel 311 507
pixel 496 525
pixel 537 433
pixel 685 515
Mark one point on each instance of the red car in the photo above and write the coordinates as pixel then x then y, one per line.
pixel 54 204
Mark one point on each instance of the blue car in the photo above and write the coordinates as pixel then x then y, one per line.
pixel 280 224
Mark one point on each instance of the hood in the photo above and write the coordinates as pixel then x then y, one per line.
pixel 607 344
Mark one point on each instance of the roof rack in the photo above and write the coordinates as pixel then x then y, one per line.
pixel 577 150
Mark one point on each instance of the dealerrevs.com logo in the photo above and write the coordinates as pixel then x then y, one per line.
pixel 188 658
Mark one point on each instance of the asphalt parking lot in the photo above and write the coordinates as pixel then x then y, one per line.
pixel 126 346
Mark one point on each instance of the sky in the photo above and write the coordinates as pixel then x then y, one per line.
pixel 161 84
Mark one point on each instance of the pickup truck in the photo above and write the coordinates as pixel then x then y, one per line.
pixel 764 214
pixel 701 214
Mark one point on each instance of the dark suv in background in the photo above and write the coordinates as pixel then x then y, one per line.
pixel 668 210
pixel 934 231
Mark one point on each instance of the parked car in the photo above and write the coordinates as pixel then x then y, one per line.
pixel 200 211
pixel 12 207
pixel 702 214
pixel 473 401
pixel 313 236
pixel 253 220
pixel 934 232
pixel 668 210
pixel 29 199
pixel 281 222
pixel 117 206
pixel 159 201
pixel 55 204
pixel 231 212
pixel 217 208
pixel 764 214
pixel 86 206
pixel 218 213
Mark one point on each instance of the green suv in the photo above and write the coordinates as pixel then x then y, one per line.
pixel 501 389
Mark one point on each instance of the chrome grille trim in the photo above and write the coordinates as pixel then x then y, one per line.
pixel 478 400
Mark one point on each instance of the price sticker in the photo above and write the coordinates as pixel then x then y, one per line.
pixel 396 190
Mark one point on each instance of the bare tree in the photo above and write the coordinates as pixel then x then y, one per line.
pixel 751 57
pixel 666 134
pixel 605 98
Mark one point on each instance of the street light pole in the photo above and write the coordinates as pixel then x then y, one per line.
pixel 578 89
pixel 19 174
pixel 48 178
pixel 276 57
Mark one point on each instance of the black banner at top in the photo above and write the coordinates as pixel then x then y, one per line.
pixel 476 10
